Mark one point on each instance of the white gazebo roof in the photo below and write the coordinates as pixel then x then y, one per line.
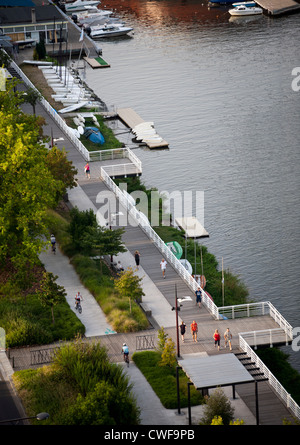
pixel 215 370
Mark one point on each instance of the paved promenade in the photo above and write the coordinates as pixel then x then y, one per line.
pixel 159 295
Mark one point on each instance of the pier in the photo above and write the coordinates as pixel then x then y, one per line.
pixel 252 324
pixel 279 7
pixel 131 119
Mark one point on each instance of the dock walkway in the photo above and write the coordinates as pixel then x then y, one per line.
pixel 130 118
pixel 278 7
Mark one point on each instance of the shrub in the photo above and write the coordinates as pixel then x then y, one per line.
pixel 217 405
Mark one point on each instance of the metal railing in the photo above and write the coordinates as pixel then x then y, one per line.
pixel 168 254
pixel 266 337
pixel 127 169
pixel 256 309
pixel 276 385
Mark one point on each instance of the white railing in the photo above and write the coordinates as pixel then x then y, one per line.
pixel 146 227
pixel 126 169
pixel 279 389
pixel 256 309
pixel 266 337
pixel 57 118
pixel 243 310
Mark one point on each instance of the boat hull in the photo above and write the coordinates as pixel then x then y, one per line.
pixel 241 12
pixel 94 135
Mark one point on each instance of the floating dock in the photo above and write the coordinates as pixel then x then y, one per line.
pixel 132 119
pixel 279 7
pixel 192 227
pixel 97 62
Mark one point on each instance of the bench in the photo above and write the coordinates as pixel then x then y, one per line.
pixel 146 309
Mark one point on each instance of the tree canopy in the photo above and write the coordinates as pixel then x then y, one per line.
pixel 28 183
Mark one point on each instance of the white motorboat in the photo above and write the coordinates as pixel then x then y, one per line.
pixel 90 17
pixel 245 10
pixel 81 5
pixel 110 30
pixel 247 4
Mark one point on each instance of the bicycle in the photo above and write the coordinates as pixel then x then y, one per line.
pixel 54 248
pixel 78 307
pixel 126 359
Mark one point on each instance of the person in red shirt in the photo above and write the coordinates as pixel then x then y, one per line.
pixel 217 338
pixel 194 330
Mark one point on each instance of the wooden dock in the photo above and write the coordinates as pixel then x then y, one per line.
pixel 130 118
pixel 96 62
pixel 279 7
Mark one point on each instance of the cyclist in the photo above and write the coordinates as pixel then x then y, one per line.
pixel 53 242
pixel 125 351
pixel 78 299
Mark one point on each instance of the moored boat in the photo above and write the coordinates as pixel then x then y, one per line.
pixel 247 4
pixel 110 30
pixel 81 5
pixel 244 10
pixel 94 135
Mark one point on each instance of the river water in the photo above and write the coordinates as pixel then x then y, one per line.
pixel 220 92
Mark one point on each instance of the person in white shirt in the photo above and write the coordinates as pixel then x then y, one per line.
pixel 163 266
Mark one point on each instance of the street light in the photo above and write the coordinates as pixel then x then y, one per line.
pixel 40 416
pixel 177 308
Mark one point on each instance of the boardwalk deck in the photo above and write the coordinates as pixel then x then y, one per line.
pixel 277 7
pixel 130 118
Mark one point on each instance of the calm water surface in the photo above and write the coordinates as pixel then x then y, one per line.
pixel 219 91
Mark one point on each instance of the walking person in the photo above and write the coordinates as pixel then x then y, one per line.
pixel 217 339
pixel 198 294
pixel 53 243
pixel 87 170
pixel 163 266
pixel 194 330
pixel 182 330
pixel 137 258
pixel 228 337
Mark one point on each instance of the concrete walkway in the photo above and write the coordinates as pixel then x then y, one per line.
pixel 152 411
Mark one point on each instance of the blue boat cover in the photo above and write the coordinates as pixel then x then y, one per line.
pixel 94 135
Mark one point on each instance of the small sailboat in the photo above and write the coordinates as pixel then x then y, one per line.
pixel 94 135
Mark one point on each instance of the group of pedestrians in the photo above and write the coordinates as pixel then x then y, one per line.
pixel 216 335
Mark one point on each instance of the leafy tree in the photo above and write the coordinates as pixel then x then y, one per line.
pixel 32 96
pixel 40 50
pixel 217 404
pixel 51 293
pixel 5 59
pixel 168 356
pixel 80 221
pixel 102 241
pixel 162 338
pixel 61 168
pixel 129 285
pixel 27 187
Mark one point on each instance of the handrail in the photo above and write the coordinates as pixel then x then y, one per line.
pixel 256 309
pixel 279 389
pixel 145 226
pixel 251 309
pixel 88 156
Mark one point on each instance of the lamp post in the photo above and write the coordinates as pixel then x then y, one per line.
pixel 177 308
pixel 40 416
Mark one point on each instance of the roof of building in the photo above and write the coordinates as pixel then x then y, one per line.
pixel 16 3
pixel 17 15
